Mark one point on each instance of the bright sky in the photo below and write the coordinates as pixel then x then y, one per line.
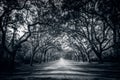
pixel 64 41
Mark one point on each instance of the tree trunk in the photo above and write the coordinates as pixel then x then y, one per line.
pixel 31 60
pixel 2 46
pixel 40 61
pixel 12 62
pixel 99 55
pixel 82 55
pixel 116 42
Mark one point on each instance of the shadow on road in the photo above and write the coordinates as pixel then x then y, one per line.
pixel 65 70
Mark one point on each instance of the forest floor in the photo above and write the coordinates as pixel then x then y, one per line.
pixel 64 70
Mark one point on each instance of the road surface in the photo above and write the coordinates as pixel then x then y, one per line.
pixel 65 70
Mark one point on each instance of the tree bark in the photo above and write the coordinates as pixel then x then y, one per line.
pixel 31 60
pixel 12 61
